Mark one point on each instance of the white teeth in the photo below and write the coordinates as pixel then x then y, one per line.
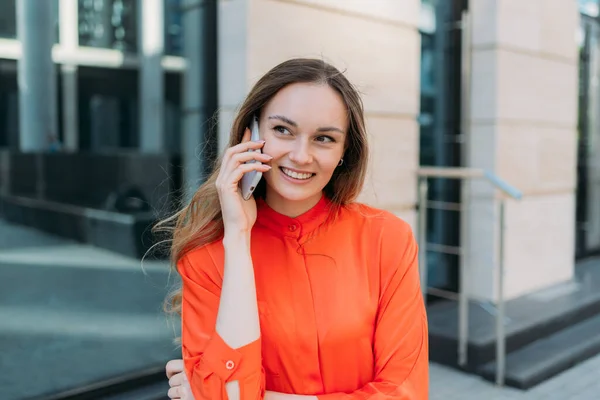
pixel 295 175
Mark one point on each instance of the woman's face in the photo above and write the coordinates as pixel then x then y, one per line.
pixel 305 127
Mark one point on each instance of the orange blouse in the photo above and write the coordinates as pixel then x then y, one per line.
pixel 340 306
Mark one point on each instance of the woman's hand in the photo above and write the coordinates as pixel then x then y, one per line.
pixel 179 387
pixel 238 214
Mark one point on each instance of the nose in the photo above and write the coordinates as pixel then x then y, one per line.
pixel 301 154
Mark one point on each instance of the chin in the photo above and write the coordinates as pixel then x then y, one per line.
pixel 293 193
pixel 297 195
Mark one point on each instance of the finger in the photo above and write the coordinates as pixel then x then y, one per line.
pixel 236 175
pixel 247 135
pixel 237 149
pixel 228 162
pixel 241 158
pixel 175 392
pixel 174 367
pixel 187 393
pixel 244 146
pixel 177 379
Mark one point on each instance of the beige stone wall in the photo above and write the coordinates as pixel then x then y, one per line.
pixel 378 45
pixel 523 128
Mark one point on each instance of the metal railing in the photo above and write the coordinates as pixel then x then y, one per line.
pixel 465 174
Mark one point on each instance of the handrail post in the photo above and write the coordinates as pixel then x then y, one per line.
pixel 500 334
pixel 422 232
pixel 465 184
pixel 463 276
pixel 468 174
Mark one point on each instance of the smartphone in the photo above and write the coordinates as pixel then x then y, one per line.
pixel 250 179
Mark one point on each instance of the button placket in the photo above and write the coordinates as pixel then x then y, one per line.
pixel 294 229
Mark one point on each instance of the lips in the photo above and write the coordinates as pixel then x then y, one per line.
pixel 296 175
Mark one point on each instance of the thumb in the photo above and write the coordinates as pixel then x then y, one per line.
pixel 246 136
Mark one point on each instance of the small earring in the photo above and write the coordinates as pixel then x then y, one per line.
pixel 341 162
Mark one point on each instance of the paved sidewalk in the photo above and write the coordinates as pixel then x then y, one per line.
pixel 581 382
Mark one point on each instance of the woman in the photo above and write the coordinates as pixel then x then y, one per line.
pixel 302 292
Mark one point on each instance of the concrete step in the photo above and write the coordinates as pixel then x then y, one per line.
pixel 528 318
pixel 13 236
pixel 82 278
pixel 63 351
pixel 549 356
pixel 74 316
pixel 157 391
pixel 125 233
pixel 147 384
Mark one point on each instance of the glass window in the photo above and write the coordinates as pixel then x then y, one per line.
pixel 173 28
pixel 172 112
pixel 9 104
pixel 108 24
pixel 588 167
pixel 588 7
pixel 108 109
pixel 8 19
pixel 439 121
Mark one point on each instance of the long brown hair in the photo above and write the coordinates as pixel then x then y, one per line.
pixel 199 222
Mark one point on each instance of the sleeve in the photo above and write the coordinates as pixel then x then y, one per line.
pixel 209 362
pixel 401 334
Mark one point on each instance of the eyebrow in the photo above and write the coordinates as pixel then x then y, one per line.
pixel 295 125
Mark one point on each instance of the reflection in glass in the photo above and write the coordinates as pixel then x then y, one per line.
pixel 173 28
pixel 8 19
pixel 108 109
pixel 588 163
pixel 9 105
pixel 109 24
pixel 588 7
pixel 440 130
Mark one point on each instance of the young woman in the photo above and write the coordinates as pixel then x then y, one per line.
pixel 298 293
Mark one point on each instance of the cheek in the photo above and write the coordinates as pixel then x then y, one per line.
pixel 329 165
pixel 273 149
pixel 329 160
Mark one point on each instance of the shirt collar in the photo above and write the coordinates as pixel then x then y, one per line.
pixel 295 227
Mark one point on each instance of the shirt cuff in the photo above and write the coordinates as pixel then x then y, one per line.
pixel 232 364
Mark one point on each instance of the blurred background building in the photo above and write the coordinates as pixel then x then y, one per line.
pixel 113 110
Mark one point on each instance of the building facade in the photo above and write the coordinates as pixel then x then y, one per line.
pixel 507 86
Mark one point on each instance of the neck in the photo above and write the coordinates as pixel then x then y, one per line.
pixel 290 208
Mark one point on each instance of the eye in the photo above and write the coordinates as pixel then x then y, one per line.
pixel 325 139
pixel 282 129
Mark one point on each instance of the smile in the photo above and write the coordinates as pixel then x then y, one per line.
pixel 296 175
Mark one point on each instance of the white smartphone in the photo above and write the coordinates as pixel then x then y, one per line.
pixel 250 179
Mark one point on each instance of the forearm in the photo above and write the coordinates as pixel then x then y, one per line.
pixel 237 318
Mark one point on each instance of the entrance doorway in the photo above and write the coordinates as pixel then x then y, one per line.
pixel 587 232
pixel 441 134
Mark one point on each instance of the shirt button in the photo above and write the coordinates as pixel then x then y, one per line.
pixel 229 365
pixel 293 227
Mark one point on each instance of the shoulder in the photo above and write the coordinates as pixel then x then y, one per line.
pixel 376 219
pixel 390 238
